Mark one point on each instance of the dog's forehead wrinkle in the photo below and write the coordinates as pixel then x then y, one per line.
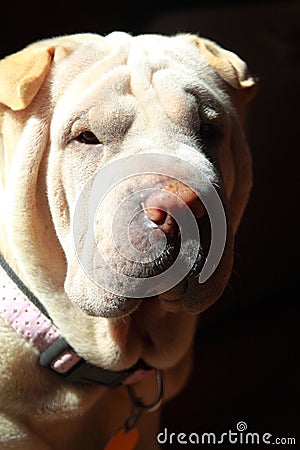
pixel 163 81
pixel 88 64
pixel 142 54
pixel 157 75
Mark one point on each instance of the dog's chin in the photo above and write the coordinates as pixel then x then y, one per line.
pixel 99 303
pixel 94 300
pixel 111 306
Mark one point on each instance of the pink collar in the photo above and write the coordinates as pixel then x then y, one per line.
pixel 23 312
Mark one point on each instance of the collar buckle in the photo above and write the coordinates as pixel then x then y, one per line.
pixel 61 359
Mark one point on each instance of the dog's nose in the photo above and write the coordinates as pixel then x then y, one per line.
pixel 168 201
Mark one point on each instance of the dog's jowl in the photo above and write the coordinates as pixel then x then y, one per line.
pixel 124 175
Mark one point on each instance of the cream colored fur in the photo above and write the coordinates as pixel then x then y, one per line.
pixel 118 86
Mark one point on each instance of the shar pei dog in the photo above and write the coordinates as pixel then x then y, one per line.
pixel 125 172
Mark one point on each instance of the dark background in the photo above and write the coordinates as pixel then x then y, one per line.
pixel 247 346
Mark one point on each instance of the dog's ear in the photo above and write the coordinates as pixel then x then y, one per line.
pixel 233 70
pixel 22 75
pixel 229 66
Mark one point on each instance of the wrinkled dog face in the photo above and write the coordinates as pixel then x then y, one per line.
pixel 141 141
pixel 139 145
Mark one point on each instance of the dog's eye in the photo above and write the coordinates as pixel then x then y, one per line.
pixel 87 137
pixel 208 131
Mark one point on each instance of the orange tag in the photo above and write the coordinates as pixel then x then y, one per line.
pixel 123 440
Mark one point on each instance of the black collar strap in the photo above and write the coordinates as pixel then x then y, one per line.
pixel 81 371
